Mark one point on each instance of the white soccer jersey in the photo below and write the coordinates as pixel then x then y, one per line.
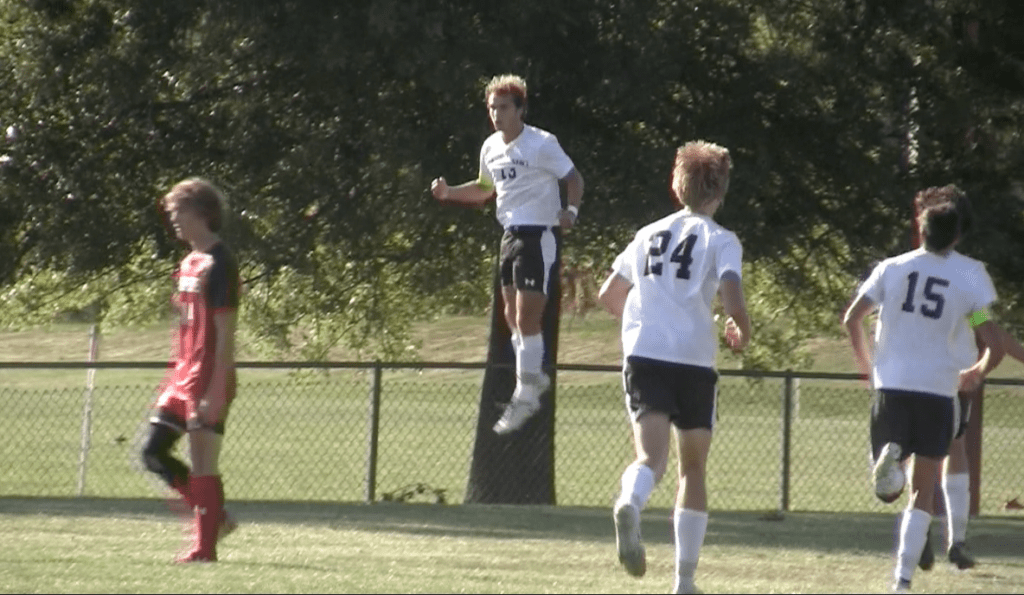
pixel 525 175
pixel 675 265
pixel 965 348
pixel 921 335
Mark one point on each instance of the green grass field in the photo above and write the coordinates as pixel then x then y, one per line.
pixel 124 546
pixel 295 462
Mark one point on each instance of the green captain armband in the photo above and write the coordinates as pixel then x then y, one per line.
pixel 484 183
pixel 980 317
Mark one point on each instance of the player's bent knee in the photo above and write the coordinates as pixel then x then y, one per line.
pixel 156 453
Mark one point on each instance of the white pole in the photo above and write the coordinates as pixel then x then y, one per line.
pixel 90 384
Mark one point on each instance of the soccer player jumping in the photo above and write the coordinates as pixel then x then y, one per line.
pixel 199 390
pixel 521 167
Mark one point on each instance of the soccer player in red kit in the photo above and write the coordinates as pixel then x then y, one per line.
pixel 201 385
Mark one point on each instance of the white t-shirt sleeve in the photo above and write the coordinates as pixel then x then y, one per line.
pixel 625 262
pixel 983 291
pixel 484 177
pixel 872 287
pixel 553 158
pixel 730 256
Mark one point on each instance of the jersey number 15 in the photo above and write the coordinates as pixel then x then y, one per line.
pixel 930 295
pixel 682 255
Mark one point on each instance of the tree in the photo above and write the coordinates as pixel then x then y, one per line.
pixel 248 95
pixel 518 468
pixel 325 123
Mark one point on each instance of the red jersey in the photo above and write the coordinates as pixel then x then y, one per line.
pixel 208 283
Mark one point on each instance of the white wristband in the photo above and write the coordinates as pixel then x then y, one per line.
pixel 574 210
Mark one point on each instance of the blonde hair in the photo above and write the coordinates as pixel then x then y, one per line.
pixel 201 196
pixel 700 174
pixel 507 84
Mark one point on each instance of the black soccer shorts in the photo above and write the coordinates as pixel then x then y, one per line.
pixel 921 423
pixel 687 394
pixel 528 256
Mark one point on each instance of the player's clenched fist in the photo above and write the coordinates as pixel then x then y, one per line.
pixel 734 336
pixel 439 188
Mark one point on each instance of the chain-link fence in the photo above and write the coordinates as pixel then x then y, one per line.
pixel 364 432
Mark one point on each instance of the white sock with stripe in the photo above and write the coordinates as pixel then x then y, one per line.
pixel 956 487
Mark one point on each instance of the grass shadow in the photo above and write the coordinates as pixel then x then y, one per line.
pixel 993 538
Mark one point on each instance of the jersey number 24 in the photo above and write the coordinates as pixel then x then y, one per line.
pixel 682 255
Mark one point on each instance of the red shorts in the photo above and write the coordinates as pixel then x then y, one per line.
pixel 173 409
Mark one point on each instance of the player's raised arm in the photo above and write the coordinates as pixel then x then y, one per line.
pixel 474 193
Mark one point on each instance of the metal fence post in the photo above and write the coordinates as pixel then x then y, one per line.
pixel 787 406
pixel 795 403
pixel 370 490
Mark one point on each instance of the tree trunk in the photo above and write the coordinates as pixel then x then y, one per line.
pixel 518 468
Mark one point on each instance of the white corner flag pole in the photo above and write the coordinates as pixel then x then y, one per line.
pixel 90 385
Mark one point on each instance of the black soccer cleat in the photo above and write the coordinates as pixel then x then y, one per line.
pixel 958 555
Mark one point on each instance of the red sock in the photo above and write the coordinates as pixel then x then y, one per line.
pixel 207 493
pixel 182 488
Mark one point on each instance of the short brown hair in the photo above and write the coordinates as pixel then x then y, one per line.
pixel 202 197
pixel 940 226
pixel 700 174
pixel 507 84
pixel 936 195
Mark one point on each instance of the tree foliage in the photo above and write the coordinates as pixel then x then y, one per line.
pixel 325 122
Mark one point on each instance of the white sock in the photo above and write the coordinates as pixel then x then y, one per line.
pixel 638 482
pixel 690 526
pixel 517 342
pixel 956 487
pixel 913 533
pixel 530 356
